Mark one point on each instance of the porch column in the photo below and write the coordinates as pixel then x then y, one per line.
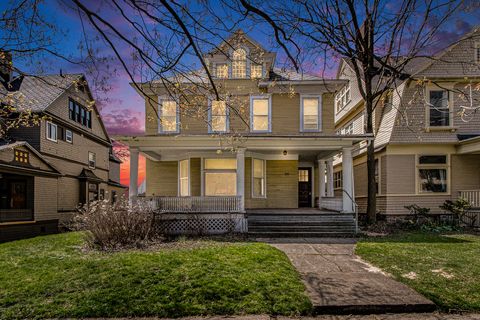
pixel 321 179
pixel 241 177
pixel 133 189
pixel 347 167
pixel 330 177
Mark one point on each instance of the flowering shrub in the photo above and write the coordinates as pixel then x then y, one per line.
pixel 114 226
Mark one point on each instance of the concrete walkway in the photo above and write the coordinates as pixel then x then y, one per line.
pixel 339 282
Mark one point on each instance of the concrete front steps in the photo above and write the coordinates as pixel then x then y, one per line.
pixel 306 225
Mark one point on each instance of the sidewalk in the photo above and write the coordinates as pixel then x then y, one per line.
pixel 339 282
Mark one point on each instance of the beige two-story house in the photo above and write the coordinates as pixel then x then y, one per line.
pixel 266 143
pixel 48 170
pixel 427 133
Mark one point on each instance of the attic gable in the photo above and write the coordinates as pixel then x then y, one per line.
pixel 22 156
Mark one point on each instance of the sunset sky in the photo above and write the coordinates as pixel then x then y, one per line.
pixel 121 107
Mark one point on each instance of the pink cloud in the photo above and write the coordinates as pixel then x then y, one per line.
pixel 123 122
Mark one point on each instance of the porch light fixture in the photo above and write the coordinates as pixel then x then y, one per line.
pixel 285 152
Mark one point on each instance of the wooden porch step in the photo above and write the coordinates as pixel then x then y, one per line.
pixel 325 234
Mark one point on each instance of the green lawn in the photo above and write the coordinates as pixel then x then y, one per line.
pixel 444 268
pixel 51 276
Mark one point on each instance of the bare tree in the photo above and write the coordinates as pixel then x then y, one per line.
pixel 379 39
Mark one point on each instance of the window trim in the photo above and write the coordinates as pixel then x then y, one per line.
pixel 179 193
pixel 66 135
pixel 264 162
pixel 319 112
pixel 419 166
pixel 56 131
pixel 263 97
pixel 160 130
pixel 216 70
pixel 447 88
pixel 94 160
pixel 227 115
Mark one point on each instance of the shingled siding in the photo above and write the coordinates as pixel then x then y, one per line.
pixel 46 198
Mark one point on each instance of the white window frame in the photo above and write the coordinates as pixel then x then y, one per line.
pixel 160 109
pixel 319 112
pixel 94 160
pixel 341 100
pixel 428 105
pixel 227 118
pixel 216 70
pixel 204 171
pixel 349 127
pixel 419 166
pixel 263 97
pixel 68 136
pixel 49 123
pixel 179 191
pixel 261 70
pixel 233 60
pixel 264 191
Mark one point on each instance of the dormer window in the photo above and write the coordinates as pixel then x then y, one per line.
pixel 239 64
pixel 21 156
pixel 256 71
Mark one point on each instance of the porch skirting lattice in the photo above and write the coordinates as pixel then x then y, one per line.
pixel 201 223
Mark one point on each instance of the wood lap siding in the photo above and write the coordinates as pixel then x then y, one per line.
pixel 46 198
pixel 401 172
pixel 162 178
pixel 195 176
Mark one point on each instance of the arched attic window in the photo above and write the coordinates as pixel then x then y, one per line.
pixel 239 63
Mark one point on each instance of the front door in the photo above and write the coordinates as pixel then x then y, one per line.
pixel 304 187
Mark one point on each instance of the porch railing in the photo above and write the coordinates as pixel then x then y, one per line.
pixel 226 204
pixel 331 203
pixel 472 196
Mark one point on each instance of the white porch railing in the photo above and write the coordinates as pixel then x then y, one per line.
pixel 226 204
pixel 472 196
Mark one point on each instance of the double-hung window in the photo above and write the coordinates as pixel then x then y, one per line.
pixel 68 136
pixel 432 173
pixel 438 108
pixel 258 178
pixel 92 160
pixel 222 70
pixel 220 176
pixel 51 131
pixel 183 173
pixel 342 98
pixel 168 114
pixel 310 113
pixel 256 71
pixel 260 114
pixel 338 180
pixel 218 114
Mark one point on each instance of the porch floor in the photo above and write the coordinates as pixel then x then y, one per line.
pixel 286 211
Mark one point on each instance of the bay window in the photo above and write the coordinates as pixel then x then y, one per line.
pixel 310 113
pixel 260 114
pixel 218 114
pixel 183 174
pixel 438 108
pixel 220 177
pixel 432 174
pixel 168 114
pixel 258 178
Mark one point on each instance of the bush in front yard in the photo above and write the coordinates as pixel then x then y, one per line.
pixel 118 225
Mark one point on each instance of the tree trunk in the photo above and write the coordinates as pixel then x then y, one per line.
pixel 371 187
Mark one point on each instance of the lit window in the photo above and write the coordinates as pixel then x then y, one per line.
pixel 439 111
pixel 260 114
pixel 310 113
pixel 222 71
pixel 68 136
pixel 183 174
pixel 342 98
pixel 220 177
pixel 91 160
pixel 258 178
pixel 303 175
pixel 168 117
pixel 256 71
pixel 218 116
pixel 432 174
pixel 21 156
pixel 239 64
pixel 51 131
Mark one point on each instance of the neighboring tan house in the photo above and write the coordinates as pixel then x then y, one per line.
pixel 425 151
pixel 47 170
pixel 259 147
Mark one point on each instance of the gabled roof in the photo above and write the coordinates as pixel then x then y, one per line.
pixel 11 146
pixel 39 92
pixel 88 175
pixel 239 34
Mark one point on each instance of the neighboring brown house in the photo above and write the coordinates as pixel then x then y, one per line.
pixel 47 170
pixel 259 147
pixel 426 151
